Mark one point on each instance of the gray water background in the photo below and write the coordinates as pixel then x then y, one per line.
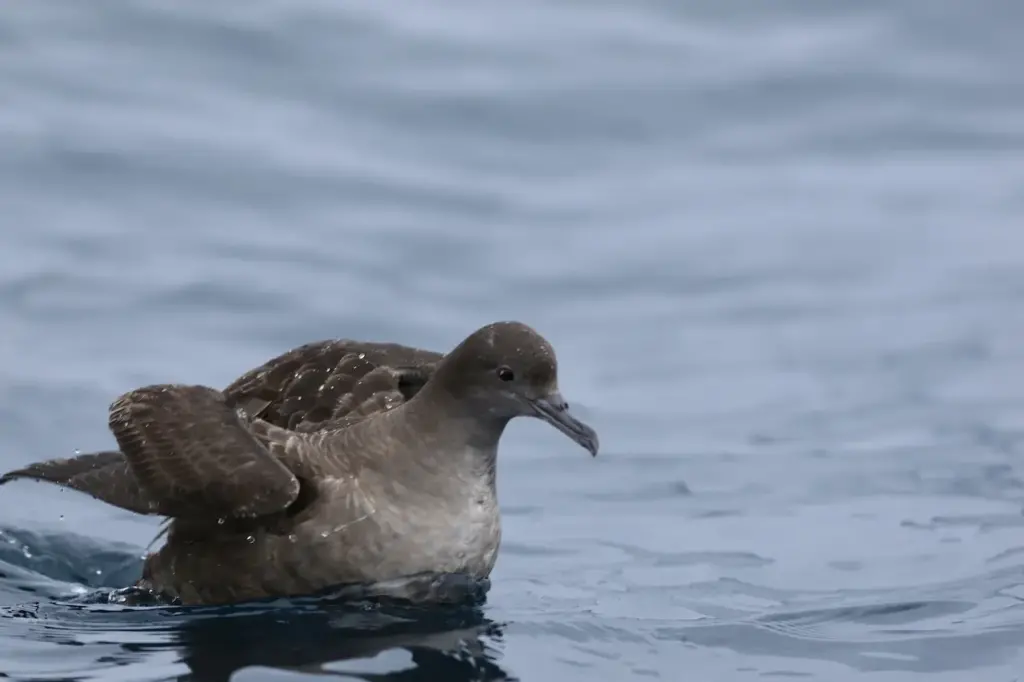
pixel 777 247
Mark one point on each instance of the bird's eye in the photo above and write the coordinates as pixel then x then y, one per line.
pixel 506 373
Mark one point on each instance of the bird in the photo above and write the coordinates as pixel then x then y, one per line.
pixel 339 462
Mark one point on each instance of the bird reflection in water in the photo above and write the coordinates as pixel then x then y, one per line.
pixel 451 643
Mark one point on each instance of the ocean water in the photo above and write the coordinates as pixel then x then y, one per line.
pixel 777 246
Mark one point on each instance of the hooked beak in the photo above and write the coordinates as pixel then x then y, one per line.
pixel 554 410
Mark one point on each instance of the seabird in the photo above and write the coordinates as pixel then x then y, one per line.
pixel 339 462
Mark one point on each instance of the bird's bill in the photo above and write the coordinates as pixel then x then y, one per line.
pixel 554 410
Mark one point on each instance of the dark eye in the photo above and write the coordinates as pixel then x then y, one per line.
pixel 506 373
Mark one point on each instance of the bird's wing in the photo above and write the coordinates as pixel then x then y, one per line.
pixel 104 475
pixel 194 456
pixel 186 452
pixel 332 383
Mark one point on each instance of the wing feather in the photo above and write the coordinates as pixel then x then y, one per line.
pixel 192 454
pixel 186 451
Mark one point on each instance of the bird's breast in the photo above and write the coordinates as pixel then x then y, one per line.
pixel 407 529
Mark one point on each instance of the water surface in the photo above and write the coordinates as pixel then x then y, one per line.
pixel 777 249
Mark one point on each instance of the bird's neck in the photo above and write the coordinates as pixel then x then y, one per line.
pixel 453 436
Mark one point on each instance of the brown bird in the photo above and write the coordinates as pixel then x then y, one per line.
pixel 338 462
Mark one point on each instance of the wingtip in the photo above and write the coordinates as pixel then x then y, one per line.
pixel 12 476
pixel 25 474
